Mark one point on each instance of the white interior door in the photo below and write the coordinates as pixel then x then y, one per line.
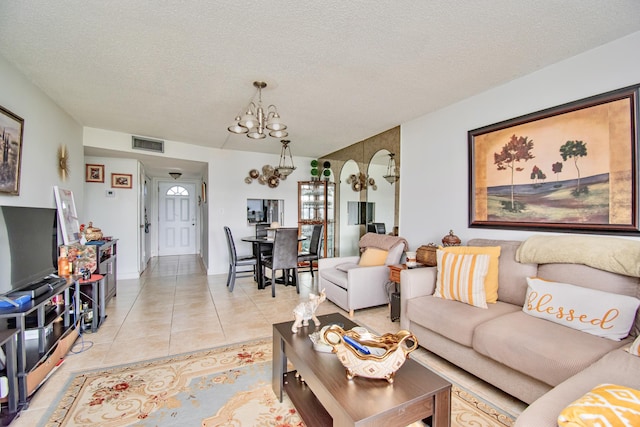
pixel 177 218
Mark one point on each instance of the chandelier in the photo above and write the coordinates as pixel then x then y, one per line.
pixel 256 119
pixel 392 171
pixel 285 167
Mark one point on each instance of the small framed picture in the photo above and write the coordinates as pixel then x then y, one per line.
pixel 121 180
pixel 94 173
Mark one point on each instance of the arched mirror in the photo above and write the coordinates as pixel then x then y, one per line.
pixel 382 194
pixel 349 200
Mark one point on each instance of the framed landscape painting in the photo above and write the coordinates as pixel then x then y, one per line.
pixel 11 129
pixel 569 168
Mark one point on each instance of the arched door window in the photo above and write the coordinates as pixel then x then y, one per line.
pixel 177 190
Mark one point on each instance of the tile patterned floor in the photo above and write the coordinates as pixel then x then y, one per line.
pixel 174 307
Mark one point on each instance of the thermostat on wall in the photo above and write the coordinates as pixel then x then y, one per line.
pixel 110 193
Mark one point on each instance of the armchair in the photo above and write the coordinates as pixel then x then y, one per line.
pixel 352 282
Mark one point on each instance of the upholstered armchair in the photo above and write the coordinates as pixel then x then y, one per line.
pixel 357 282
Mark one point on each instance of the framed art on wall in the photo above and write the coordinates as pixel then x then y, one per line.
pixel 121 180
pixel 94 173
pixel 67 215
pixel 569 168
pixel 11 130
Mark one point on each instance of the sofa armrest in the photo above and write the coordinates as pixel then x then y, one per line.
pixel 367 286
pixel 324 263
pixel 415 283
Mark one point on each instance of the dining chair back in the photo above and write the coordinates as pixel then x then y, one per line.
pixel 261 229
pixel 284 257
pixel 236 261
pixel 376 227
pixel 313 254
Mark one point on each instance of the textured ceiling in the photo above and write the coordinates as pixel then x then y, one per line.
pixel 339 71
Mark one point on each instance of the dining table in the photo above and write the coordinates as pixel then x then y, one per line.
pixel 260 245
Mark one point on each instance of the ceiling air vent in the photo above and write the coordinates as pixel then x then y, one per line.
pixel 147 144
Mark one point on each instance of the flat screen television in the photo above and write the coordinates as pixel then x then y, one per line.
pixel 28 246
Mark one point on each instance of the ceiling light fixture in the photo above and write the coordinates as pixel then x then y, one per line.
pixel 256 119
pixel 175 175
pixel 285 167
pixel 392 171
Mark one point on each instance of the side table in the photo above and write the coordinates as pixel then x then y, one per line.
pixel 394 276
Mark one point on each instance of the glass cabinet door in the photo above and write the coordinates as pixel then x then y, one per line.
pixel 316 206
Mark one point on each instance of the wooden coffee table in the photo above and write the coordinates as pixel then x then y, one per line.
pixel 327 397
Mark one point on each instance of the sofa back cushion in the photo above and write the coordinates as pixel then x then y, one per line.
pixel 512 275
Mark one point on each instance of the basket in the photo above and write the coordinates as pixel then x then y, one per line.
pixel 426 254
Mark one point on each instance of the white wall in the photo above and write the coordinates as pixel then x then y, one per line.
pixel 227 193
pixel 46 127
pixel 116 216
pixel 434 183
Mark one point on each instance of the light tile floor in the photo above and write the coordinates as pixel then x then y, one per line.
pixel 174 307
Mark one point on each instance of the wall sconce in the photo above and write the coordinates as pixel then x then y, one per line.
pixel 361 181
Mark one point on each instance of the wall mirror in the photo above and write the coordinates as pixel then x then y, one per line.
pixel 349 233
pixel 265 210
pixel 382 194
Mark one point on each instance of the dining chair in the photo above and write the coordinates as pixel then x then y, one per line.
pixel 376 227
pixel 261 229
pixel 313 254
pixel 236 261
pixel 284 257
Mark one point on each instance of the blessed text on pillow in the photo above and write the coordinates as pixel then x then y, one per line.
pixel 599 313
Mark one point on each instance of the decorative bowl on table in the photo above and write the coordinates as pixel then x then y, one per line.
pixel 370 356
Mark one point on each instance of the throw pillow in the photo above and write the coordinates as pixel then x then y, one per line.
pixel 604 405
pixel 491 281
pixel 635 347
pixel 461 277
pixel 603 314
pixel 372 256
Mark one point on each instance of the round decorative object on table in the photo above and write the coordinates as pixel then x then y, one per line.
pixel 451 239
pixel 366 355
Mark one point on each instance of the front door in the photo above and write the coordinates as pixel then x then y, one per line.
pixel 177 218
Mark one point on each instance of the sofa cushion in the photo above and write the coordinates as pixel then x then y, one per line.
pixel 512 275
pixel 452 319
pixel 461 277
pixel 541 349
pixel 373 256
pixel 336 276
pixel 605 404
pixel 491 281
pixel 346 267
pixel 616 367
pixel 599 313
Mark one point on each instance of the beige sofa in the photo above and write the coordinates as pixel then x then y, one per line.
pixel 544 364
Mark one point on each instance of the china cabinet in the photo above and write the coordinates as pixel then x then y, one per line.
pixel 316 205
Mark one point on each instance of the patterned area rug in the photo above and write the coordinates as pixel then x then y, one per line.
pixel 227 386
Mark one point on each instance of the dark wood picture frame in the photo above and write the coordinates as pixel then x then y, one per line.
pixel 570 168
pixel 11 131
pixel 121 180
pixel 94 173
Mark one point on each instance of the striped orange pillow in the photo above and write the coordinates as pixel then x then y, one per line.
pixel 461 277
